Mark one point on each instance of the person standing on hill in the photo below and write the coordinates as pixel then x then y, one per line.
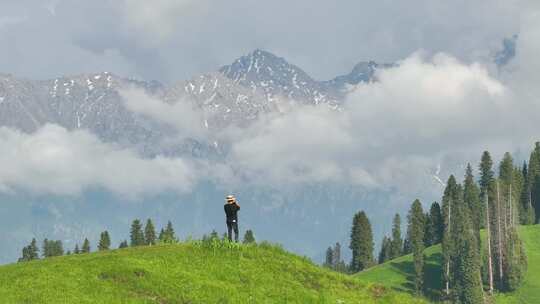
pixel 231 211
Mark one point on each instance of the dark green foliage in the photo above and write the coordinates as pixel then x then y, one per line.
pixel 434 226
pixel 361 243
pixel 30 252
pixel 516 262
pixel 136 234
pixel 526 210
pixel 52 248
pixel 534 179
pixel 407 249
pixel 167 235
pixel 86 246
pixel 104 241
pixel 386 248
pixel 249 238
pixel 471 197
pixel 76 250
pixel 149 233
pixel 123 244
pixel 396 248
pixel 465 276
pixel 415 231
pixel 329 258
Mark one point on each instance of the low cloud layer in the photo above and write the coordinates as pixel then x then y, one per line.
pixel 56 161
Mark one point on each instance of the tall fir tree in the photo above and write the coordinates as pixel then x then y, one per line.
pixel 473 202
pixel 415 230
pixel 329 258
pixel 534 180
pixel 86 246
pixel 526 210
pixel 386 249
pixel 361 243
pixel 450 197
pixel 136 234
pixel 249 238
pixel 123 244
pixel 76 250
pixel 149 233
pixel 396 249
pixel 167 235
pixel 435 225
pixel 104 241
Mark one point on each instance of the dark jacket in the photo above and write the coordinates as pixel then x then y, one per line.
pixel 231 211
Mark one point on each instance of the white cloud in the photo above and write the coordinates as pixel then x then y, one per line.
pixel 182 114
pixel 56 161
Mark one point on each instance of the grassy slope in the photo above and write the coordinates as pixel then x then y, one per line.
pixel 186 273
pixel 398 274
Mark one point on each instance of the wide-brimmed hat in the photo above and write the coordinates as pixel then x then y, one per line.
pixel 231 199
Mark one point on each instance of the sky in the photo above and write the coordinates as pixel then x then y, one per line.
pixel 172 40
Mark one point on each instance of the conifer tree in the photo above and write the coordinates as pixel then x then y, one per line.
pixel 149 233
pixel 451 195
pixel 167 235
pixel 487 190
pixel 534 179
pixel 464 256
pixel 415 230
pixel 86 246
pixel 249 238
pixel 396 249
pixel 435 226
pixel 361 243
pixel 136 234
pixel 104 241
pixel 76 250
pixel 123 244
pixel 30 252
pixel 329 259
pixel 526 210
pixel 472 200
pixel 386 248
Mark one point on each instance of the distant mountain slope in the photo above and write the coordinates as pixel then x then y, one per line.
pixel 186 273
pixel 399 273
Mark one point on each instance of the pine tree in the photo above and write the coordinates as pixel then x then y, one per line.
pixel 149 233
pixel 249 238
pixel 487 190
pixel 435 224
pixel 361 243
pixel 396 249
pixel 123 244
pixel 386 248
pixel 46 249
pixel 104 241
pixel 30 252
pixel 167 235
pixel 415 230
pixel 451 195
pixel 526 210
pixel 86 246
pixel 33 250
pixel 473 202
pixel 136 234
pixel 329 259
pixel 76 250
pixel 534 180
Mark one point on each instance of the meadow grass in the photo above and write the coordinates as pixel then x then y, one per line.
pixel 189 272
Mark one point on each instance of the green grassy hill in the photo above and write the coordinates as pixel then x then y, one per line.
pixel 186 273
pixel 398 274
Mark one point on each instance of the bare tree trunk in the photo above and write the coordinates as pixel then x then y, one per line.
pixel 490 263
pixel 499 235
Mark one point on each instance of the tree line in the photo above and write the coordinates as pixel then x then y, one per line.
pixel 474 265
pixel 139 236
